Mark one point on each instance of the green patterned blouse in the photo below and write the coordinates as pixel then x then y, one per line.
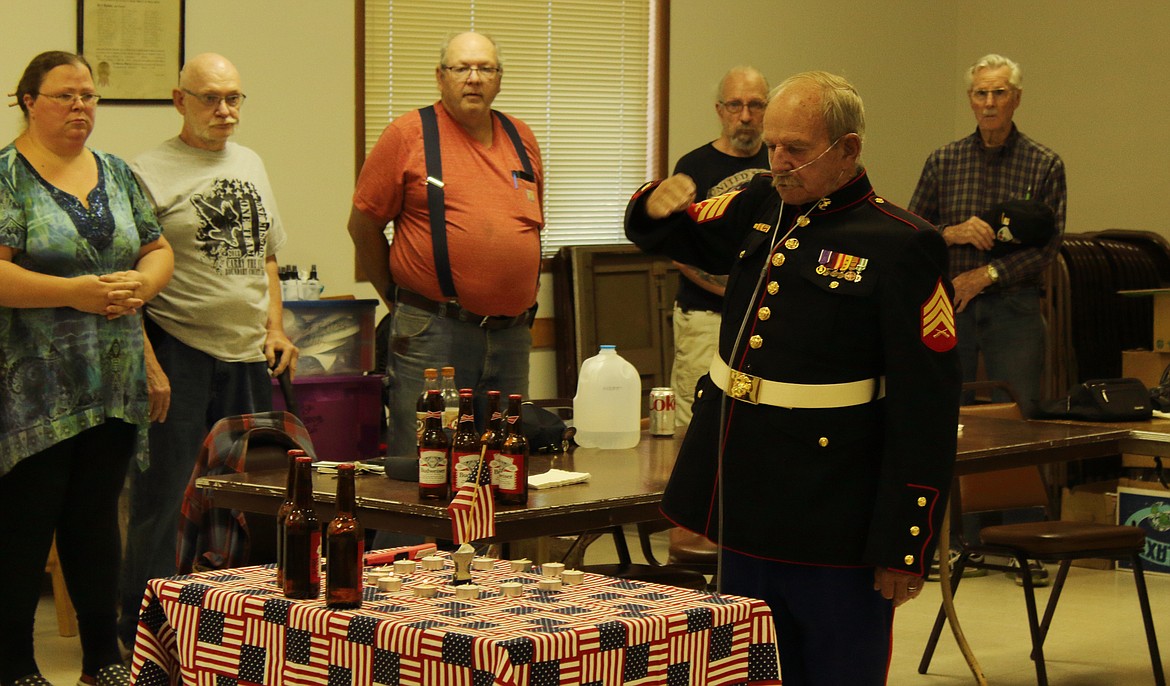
pixel 63 371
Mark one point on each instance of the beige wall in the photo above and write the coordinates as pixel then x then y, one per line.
pixel 1089 85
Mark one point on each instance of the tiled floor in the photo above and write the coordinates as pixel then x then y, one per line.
pixel 1096 638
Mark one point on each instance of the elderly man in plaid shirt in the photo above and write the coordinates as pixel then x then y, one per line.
pixel 997 297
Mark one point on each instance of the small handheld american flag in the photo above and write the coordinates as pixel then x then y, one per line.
pixel 473 511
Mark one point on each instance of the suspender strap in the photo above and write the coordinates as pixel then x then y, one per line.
pixel 436 207
pixel 510 129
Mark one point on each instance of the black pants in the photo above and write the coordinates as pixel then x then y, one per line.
pixel 71 488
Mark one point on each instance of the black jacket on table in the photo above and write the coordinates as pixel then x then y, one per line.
pixel 858 291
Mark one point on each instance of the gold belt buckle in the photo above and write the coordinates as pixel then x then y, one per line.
pixel 744 387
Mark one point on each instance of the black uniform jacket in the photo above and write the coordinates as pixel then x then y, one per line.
pixel 857 291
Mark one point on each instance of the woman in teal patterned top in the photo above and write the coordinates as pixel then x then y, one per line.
pixel 80 253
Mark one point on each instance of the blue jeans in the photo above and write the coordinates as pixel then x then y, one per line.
pixel 484 360
pixel 203 391
pixel 1009 330
pixel 831 626
pixel 72 487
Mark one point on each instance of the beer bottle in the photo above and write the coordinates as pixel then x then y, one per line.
pixel 450 399
pixel 432 452
pixel 302 538
pixel 345 544
pixel 430 381
pixel 493 437
pixel 513 459
pixel 282 513
pixel 465 446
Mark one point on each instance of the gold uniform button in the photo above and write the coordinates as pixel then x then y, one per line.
pixel 777 259
pixel 914 531
pixel 879 200
pixel 699 394
pixel 823 441
pixel 742 253
pixel 909 559
pixel 764 313
pixel 756 342
pixel 835 284
pixel 773 288
pixel 792 244
pixel 921 501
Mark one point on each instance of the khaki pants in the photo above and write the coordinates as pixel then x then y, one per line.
pixel 696 338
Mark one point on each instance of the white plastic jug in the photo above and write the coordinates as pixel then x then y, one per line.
pixel 607 407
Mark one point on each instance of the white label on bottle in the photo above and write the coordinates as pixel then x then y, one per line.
pixel 451 418
pixel 509 471
pixel 493 465
pixel 465 466
pixel 432 467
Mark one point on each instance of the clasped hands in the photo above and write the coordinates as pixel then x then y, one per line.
pixel 114 295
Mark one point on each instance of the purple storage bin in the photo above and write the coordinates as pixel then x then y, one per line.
pixel 342 413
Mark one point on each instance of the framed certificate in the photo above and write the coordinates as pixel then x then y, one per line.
pixel 135 47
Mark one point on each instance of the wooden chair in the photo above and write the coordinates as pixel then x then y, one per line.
pixel 66 615
pixel 1047 541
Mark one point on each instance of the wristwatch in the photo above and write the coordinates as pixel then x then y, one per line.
pixel 992 273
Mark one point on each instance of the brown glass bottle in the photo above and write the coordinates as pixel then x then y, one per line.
pixel 465 446
pixel 430 381
pixel 302 538
pixel 433 449
pixel 282 513
pixel 493 437
pixel 512 461
pixel 345 544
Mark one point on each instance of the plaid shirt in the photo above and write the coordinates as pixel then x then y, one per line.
pixel 963 178
pixel 216 538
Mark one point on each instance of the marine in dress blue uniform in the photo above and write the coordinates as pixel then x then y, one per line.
pixel 835 391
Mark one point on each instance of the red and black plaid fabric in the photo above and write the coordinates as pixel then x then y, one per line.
pixel 215 538
pixel 234 626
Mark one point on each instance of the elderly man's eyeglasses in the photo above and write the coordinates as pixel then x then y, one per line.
pixel 995 94
pixel 735 106
pixel 67 99
pixel 462 71
pixel 233 100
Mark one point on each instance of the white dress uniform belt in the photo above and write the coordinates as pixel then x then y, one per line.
pixel 753 389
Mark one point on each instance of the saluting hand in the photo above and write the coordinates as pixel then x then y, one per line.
pixel 672 195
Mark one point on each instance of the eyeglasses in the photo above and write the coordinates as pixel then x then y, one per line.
pixel 996 94
pixel 462 71
pixel 735 106
pixel 67 99
pixel 212 100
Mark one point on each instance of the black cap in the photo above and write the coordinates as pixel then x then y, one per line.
pixel 1018 224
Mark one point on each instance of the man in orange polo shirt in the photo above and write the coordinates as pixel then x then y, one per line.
pixel 461 285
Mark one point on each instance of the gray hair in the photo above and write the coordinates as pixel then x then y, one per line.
pixel 451 36
pixel 743 70
pixel 841 106
pixel 994 61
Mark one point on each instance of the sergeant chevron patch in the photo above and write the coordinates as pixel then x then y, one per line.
pixel 711 208
pixel 938 321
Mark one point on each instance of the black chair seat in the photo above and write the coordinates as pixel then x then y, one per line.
pixel 1058 539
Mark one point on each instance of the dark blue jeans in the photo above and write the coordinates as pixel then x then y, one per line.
pixel 484 360
pixel 203 391
pixel 831 626
pixel 72 487
pixel 1008 328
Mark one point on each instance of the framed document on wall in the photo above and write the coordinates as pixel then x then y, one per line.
pixel 135 47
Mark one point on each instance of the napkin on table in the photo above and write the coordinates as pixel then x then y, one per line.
pixel 557 477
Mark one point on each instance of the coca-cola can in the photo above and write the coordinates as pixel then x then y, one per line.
pixel 662 411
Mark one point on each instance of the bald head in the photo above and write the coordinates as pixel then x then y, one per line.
pixel 208 84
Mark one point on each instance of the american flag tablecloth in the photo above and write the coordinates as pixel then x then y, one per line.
pixel 235 627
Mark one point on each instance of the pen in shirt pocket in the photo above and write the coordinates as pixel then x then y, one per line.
pixel 520 174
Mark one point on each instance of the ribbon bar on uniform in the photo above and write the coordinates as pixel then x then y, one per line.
pixel 753 389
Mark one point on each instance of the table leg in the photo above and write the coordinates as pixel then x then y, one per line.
pixel 948 598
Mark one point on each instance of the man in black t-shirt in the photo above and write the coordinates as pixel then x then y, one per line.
pixel 721 166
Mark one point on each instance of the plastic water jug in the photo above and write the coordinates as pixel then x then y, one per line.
pixel 607 407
